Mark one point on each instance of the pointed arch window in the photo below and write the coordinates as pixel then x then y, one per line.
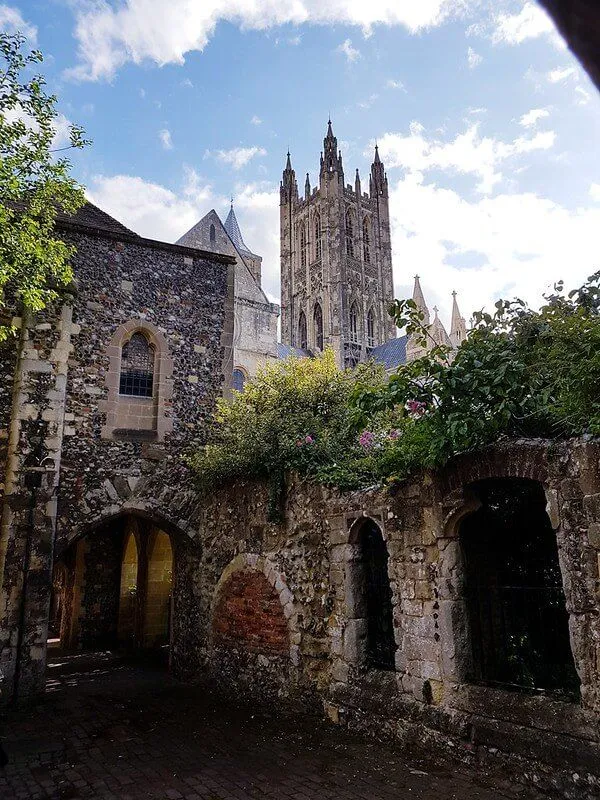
pixel 354 323
pixel 239 378
pixel 381 645
pixel 317 223
pixel 302 331
pixel 212 233
pixel 137 367
pixel 302 244
pixel 349 233
pixel 318 324
pixel 371 328
pixel 367 240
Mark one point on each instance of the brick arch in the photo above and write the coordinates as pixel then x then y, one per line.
pixel 274 582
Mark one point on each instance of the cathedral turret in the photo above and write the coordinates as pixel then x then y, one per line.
pixel 307 187
pixel 378 183
pixel 458 326
pixel 288 186
pixel 331 159
pixel 357 188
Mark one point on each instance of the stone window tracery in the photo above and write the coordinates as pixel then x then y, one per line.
pixel 137 367
pixel 367 240
pixel 371 328
pixel 349 233
pixel 354 323
pixel 318 324
pixel 302 331
pixel 317 237
pixel 302 244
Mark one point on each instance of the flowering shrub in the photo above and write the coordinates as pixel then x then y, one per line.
pixel 519 373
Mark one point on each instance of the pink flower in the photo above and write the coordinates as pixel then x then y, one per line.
pixel 394 434
pixel 366 439
pixel 415 407
pixel 298 443
pixel 309 439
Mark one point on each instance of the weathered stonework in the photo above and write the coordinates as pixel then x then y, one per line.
pixel 72 448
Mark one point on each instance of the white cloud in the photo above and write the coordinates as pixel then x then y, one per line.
pixel 595 192
pixel 163 31
pixel 256 120
pixel 392 84
pixel 12 21
pixel 237 157
pixel 506 245
pixel 529 23
pixel 346 48
pixel 368 102
pixel 559 75
pixel 473 58
pixel 583 96
pixel 531 118
pixel 186 83
pixel 295 40
pixel 61 125
pixel 468 153
pixel 165 139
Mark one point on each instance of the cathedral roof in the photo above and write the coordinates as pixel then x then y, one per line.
pixel 90 216
pixel 391 354
pixel 235 234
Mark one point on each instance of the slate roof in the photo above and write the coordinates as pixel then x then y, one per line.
pixel 391 354
pixel 235 234
pixel 90 216
pixel 286 350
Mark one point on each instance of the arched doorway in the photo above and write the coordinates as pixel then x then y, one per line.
pixel 517 616
pixel 370 598
pixel 114 586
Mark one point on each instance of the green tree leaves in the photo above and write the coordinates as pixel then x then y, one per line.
pixel 34 185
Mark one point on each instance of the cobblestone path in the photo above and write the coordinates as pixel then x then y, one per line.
pixel 115 730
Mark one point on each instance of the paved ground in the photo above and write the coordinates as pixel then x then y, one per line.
pixel 108 729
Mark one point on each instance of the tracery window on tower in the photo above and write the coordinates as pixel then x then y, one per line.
pixel 371 328
pixel 302 244
pixel 302 331
pixel 318 326
pixel 317 224
pixel 350 233
pixel 354 326
pixel 367 240
pixel 137 367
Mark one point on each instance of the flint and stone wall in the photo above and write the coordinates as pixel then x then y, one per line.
pixel 66 460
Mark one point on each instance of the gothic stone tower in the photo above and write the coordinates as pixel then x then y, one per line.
pixel 336 260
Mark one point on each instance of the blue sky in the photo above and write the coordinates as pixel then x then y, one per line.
pixel 488 126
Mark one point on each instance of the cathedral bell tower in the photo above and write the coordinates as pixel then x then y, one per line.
pixel 336 260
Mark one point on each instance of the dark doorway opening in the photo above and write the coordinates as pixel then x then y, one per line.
pixel 381 645
pixel 514 593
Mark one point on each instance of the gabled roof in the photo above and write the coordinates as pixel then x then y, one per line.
pixel 90 216
pixel 391 354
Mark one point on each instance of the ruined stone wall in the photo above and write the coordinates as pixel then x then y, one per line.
pixel 427 699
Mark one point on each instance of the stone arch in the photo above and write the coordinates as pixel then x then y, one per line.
pixel 369 634
pixel 138 417
pixel 251 562
pixel 459 505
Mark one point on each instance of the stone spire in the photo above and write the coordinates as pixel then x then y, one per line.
pixel 458 326
pixel 357 188
pixel 235 234
pixel 419 299
pixel 307 187
pixel 437 330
